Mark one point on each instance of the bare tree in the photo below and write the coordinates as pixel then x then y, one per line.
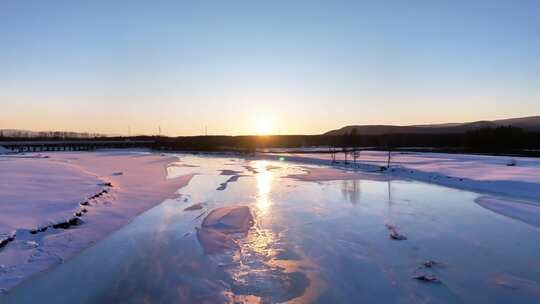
pixel 345 142
pixel 345 151
pixel 389 148
pixel 333 153
pixel 354 143
pixel 356 155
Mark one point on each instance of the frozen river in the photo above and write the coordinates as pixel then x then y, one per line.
pixel 311 241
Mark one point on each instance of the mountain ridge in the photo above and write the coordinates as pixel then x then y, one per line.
pixel 529 123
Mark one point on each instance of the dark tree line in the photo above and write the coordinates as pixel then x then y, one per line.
pixel 44 135
pixel 500 139
pixel 488 140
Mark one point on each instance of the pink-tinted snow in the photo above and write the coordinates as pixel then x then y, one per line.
pixel 38 191
pixel 218 226
pixel 43 190
pixel 320 174
pixel 489 174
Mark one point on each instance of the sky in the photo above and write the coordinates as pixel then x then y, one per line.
pixel 249 67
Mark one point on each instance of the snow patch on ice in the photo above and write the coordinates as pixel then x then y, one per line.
pixel 319 174
pixel 215 234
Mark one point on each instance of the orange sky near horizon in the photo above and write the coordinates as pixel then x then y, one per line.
pixel 223 119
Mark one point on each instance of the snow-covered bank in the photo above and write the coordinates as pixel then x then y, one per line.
pixel 519 210
pixel 37 193
pixel 488 174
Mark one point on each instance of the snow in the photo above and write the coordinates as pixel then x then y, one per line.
pixel 215 234
pixel 38 191
pixel 487 174
pixel 235 219
pixel 32 196
pixel 321 174
pixel 520 210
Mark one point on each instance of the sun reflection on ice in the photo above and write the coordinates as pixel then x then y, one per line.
pixel 264 179
pixel 265 263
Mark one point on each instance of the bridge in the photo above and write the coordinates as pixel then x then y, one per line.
pixel 73 145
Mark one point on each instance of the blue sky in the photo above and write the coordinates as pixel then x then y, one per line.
pixel 300 66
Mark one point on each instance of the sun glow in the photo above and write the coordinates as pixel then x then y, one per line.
pixel 264 126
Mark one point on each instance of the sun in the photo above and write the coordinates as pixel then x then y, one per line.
pixel 264 126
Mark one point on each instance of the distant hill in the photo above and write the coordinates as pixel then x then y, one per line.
pixel 531 123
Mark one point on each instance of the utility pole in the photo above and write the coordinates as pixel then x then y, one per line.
pixel 205 130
